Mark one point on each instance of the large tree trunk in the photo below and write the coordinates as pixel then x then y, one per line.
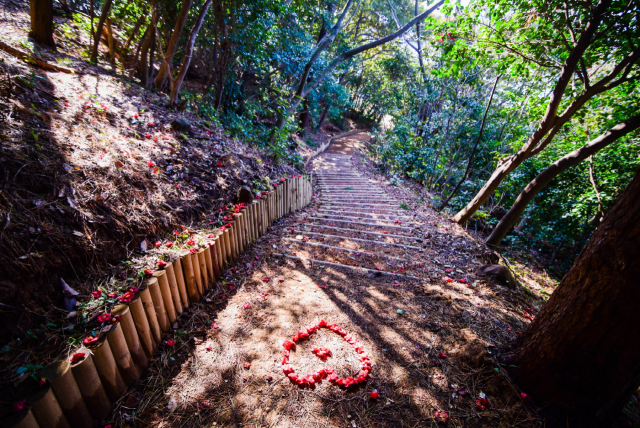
pixel 548 124
pixel 163 74
pixel 558 167
pixel 41 12
pixel 580 358
pixel 175 90
pixel 98 34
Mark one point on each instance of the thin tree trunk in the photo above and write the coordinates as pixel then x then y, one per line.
pixel 111 41
pixel 580 357
pixel 548 123
pixel 143 64
pixel 98 34
pixel 41 12
pixel 420 60
pixel 135 30
pixel 475 146
pixel 162 77
pixel 561 165
pixel 175 90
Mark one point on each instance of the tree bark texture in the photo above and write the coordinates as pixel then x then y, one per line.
pixel 555 169
pixel 98 34
pixel 163 74
pixel 41 12
pixel 175 90
pixel 548 122
pixel 580 357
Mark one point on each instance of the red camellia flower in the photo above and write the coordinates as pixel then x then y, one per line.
pixel 132 290
pixel 464 281
pixel 483 404
pixel 148 272
pixel 170 342
pixel 18 405
pixel 126 297
pixel 169 244
pixel 247 305
pixel 112 295
pixel 150 164
pixel 97 293
pixel 449 280
pixel 265 279
pixel 104 317
pixel 157 244
pixel 191 242
pixel 374 394
pixel 448 270
pixel 162 264
pixel 115 319
pixel 90 339
pixel 219 164
pixel 77 357
pixel 525 398
pixel 442 417
pixel 442 355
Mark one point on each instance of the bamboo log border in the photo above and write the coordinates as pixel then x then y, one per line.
pixel 84 389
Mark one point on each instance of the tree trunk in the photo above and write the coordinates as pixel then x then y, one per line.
pixel 558 167
pixel 580 357
pixel 548 122
pixel 143 64
pixel 475 146
pixel 175 90
pixel 96 40
pixel 111 41
pixel 163 74
pixel 41 12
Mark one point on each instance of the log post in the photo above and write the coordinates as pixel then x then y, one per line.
pixel 86 376
pixel 107 369
pixel 204 273
pixel 44 404
pixel 122 356
pixel 182 286
pixel 158 305
pixel 165 290
pixel 189 275
pixel 173 287
pixel 195 263
pixel 150 311
pixel 227 242
pixel 131 336
pixel 220 250
pixel 67 393
pixel 287 206
pixel 143 328
pixel 240 224
pixel 209 254
pixel 23 419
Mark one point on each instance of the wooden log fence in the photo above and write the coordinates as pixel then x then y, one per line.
pixel 80 391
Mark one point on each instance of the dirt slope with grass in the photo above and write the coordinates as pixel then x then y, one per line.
pixel 90 167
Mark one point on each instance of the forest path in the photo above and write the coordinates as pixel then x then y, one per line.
pixel 347 145
pixel 395 279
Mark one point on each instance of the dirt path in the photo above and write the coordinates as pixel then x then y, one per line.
pixel 347 145
pixel 347 260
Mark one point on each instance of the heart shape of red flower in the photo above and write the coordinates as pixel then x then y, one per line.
pixel 311 379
